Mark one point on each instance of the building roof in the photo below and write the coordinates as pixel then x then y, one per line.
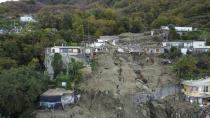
pixel 201 82
pixel 108 38
pixel 56 92
pixel 67 47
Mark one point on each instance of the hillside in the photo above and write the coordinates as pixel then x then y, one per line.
pixel 150 13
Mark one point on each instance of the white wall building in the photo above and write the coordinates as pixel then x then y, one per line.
pixel 67 53
pixel 27 19
pixel 179 29
pixel 184 46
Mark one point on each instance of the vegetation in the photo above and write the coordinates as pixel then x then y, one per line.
pixel 57 64
pixel 175 53
pixel 106 17
pixel 74 76
pixel 74 71
pixel 72 21
pixel 190 66
pixel 21 87
pixel 185 66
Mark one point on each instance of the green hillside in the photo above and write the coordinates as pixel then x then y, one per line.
pixel 120 15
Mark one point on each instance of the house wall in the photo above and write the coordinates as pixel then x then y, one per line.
pixel 55 50
pixel 66 58
pixel 26 18
pixel 154 50
pixel 199 43
pixel 183 28
pixel 178 28
pixel 184 51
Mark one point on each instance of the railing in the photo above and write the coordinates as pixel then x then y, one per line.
pixel 196 77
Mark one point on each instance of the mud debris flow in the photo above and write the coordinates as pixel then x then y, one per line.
pixel 120 78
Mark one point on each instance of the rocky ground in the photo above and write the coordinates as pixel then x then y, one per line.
pixel 118 76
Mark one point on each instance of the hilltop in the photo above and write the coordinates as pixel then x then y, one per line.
pixel 145 13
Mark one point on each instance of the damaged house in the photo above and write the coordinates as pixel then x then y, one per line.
pixel 98 46
pixel 154 50
pixel 197 91
pixel 57 98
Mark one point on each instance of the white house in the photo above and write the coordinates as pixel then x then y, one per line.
pixel 72 50
pixel 1 1
pixel 179 29
pixel 183 29
pixel 184 46
pixel 27 19
pixel 67 53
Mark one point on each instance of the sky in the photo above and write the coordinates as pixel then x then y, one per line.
pixel 6 0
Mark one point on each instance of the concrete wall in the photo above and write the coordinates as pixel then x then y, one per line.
pixel 198 44
pixel 66 58
pixel 158 94
pixel 26 19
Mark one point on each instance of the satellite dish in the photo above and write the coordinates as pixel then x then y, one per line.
pixel 87 51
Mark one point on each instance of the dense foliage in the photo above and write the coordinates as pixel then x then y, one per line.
pixel 190 66
pixel 73 76
pixel 97 17
pixel 57 64
pixel 19 90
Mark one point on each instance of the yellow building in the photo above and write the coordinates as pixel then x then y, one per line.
pixel 197 91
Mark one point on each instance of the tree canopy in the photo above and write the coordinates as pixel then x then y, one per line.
pixel 19 88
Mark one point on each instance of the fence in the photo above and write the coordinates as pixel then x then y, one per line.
pixel 158 94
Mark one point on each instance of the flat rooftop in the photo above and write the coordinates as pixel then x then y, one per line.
pixel 67 47
pixel 201 82
pixel 57 92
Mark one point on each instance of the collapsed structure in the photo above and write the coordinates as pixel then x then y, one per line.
pixel 98 46
pixel 197 91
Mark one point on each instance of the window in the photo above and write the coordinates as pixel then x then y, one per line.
pixel 53 50
pixel 70 50
pixel 75 50
pixel 205 89
pixel 194 88
pixel 64 50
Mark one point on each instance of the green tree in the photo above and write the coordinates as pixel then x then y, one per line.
pixel 175 53
pixel 57 64
pixel 74 71
pixel 19 90
pixel 173 35
pixel 34 64
pixel 136 25
pixel 7 63
pixel 160 21
pixel 185 66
